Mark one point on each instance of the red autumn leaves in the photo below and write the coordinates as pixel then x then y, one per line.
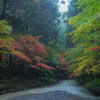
pixel 22 56
pixel 67 67
pixel 29 49
pixel 65 64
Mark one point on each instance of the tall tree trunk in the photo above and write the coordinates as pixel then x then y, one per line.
pixel 10 66
pixel 26 69
pixel 4 9
pixel 2 17
pixel 41 73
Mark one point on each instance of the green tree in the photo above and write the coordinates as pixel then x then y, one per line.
pixel 36 17
pixel 86 34
pixel 5 30
pixel 72 11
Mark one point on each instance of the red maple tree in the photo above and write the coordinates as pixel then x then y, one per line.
pixel 32 51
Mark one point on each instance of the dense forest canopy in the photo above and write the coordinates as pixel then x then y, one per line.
pixel 31 16
pixel 48 40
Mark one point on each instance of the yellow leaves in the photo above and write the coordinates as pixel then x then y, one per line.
pixel 80 68
pixel 7 47
pixel 59 55
pixel 10 49
pixel 6 44
pixel 95 69
pixel 4 28
pixel 81 58
pixel 85 61
pixel 86 31
pixel 73 20
pixel 5 52
pixel 87 66
pixel 70 21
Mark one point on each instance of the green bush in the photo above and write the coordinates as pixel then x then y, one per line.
pixel 95 83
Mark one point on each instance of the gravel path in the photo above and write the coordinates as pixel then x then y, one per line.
pixel 53 95
pixel 64 90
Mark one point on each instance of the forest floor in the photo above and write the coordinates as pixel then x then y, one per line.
pixel 11 86
pixel 8 86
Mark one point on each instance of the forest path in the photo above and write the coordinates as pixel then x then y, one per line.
pixel 64 90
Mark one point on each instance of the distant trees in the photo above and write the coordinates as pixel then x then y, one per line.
pixel 4 9
pixel 32 16
pixel 72 11
pixel 36 18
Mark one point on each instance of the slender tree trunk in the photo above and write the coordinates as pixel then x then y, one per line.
pixel 26 69
pixel 4 9
pixel 41 73
pixel 15 10
pixel 10 66
pixel 2 17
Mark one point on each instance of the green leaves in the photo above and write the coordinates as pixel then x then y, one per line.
pixel 86 34
pixel 5 29
pixel 86 23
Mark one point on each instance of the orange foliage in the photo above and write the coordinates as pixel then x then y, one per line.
pixel 39 59
pixel 44 66
pixel 16 45
pixel 95 48
pixel 32 51
pixel 21 55
pixel 64 63
pixel 29 49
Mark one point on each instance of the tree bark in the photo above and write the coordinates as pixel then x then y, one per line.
pixel 10 66
pixel 2 18
pixel 4 9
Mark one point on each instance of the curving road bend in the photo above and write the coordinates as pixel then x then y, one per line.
pixel 64 90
